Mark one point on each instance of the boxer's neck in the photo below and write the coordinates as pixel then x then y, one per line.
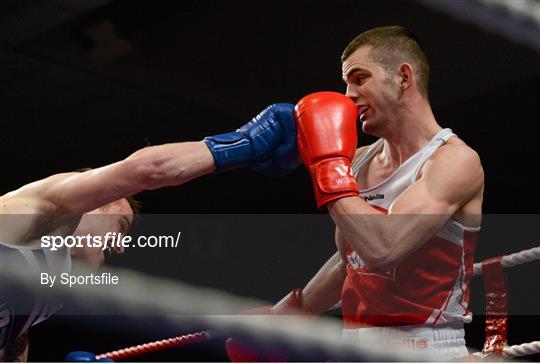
pixel 412 130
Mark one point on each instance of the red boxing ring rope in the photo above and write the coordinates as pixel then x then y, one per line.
pixel 159 345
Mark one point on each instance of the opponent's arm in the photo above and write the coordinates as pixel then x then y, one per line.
pixel 449 180
pixel 266 144
pixel 148 168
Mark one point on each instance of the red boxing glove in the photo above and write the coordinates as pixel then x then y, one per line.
pixel 291 304
pixel 240 352
pixel 327 139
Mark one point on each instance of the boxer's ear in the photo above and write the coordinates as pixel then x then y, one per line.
pixel 406 76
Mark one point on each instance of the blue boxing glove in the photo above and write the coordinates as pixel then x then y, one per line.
pixel 85 356
pixel 267 143
pixel 80 356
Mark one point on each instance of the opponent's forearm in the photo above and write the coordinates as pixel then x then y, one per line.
pixel 266 144
pixel 147 168
pixel 323 291
pixel 171 164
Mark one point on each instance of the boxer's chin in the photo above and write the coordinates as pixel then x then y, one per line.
pixel 364 120
pixel 368 127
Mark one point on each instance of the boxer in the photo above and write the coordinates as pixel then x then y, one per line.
pixel 407 208
pixel 95 202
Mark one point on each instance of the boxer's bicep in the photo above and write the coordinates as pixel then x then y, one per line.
pixel 447 183
pixel 38 197
pixel 449 180
pixel 82 192
pixel 89 190
pixel 148 168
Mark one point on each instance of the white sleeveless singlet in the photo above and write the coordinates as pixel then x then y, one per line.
pixel 423 298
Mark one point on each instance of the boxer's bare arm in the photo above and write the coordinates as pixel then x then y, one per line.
pixel 450 180
pixel 148 168
pixel 323 291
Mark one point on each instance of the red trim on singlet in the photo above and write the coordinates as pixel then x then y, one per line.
pixel 469 246
pixel 381 209
pixel 444 307
pixel 419 285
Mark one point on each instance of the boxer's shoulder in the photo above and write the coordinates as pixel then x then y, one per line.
pixel 454 144
pixel 456 170
pixel 459 152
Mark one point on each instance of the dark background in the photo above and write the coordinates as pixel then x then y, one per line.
pixel 86 83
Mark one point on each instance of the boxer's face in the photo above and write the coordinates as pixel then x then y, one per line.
pixel 374 91
pixel 115 217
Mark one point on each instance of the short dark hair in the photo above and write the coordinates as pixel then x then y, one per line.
pixel 391 47
pixel 136 205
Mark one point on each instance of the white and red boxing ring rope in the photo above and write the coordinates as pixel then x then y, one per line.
pixel 496 319
pixel 511 260
pixel 154 346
